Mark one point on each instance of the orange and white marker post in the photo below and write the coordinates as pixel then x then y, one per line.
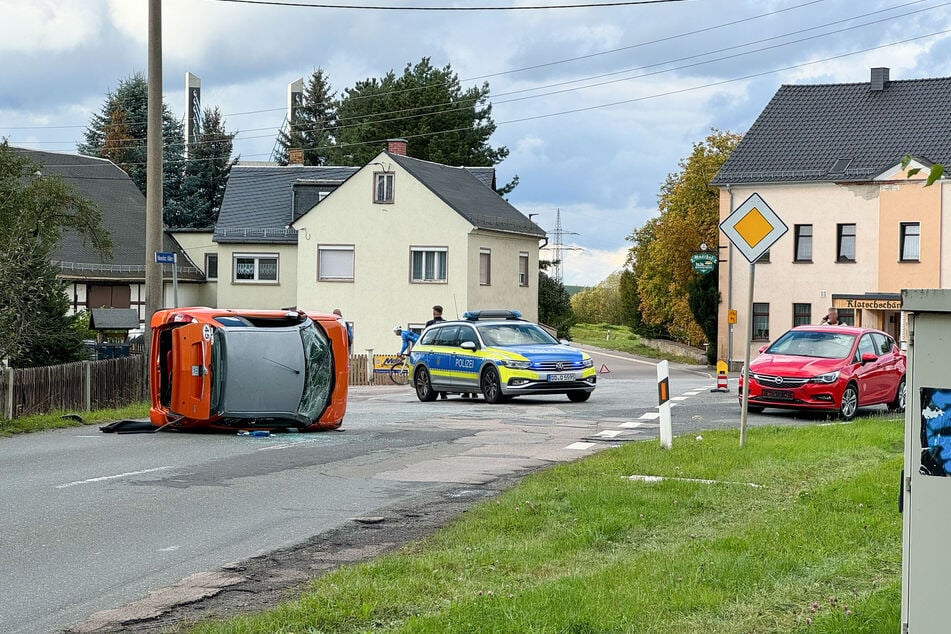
pixel 663 398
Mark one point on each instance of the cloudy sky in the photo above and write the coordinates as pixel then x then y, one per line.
pixel 597 101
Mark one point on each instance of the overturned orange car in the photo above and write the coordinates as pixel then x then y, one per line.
pixel 247 369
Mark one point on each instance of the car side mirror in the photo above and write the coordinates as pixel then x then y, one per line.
pixel 868 357
pixel 468 345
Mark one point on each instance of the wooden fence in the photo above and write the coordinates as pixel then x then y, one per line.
pixel 89 385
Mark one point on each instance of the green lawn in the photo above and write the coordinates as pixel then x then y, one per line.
pixel 57 420
pixel 620 338
pixel 581 548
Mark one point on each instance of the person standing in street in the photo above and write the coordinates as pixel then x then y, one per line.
pixel 437 316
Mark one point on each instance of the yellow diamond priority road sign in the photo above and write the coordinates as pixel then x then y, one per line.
pixel 753 227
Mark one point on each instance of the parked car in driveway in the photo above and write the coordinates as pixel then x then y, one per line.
pixel 247 369
pixel 836 368
pixel 500 355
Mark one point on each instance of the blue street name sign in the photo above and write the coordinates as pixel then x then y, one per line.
pixel 164 258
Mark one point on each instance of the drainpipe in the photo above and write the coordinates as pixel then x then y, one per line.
pixel 729 291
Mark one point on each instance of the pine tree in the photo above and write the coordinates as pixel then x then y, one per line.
pixel 206 174
pixel 313 124
pixel 119 132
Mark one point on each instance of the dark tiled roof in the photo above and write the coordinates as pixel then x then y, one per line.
pixel 259 201
pixel 466 191
pixel 123 216
pixel 843 132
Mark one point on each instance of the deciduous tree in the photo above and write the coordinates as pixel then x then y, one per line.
pixel 34 211
pixel 689 217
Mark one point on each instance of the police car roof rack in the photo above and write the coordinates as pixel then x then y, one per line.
pixel 476 315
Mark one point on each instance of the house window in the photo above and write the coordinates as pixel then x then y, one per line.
pixel 801 314
pixel 760 321
pixel 846 316
pixel 485 267
pixel 335 262
pixel 383 187
pixel 846 243
pixel 211 266
pixel 803 243
pixel 764 257
pixel 523 269
pixel 910 242
pixel 428 264
pixel 249 268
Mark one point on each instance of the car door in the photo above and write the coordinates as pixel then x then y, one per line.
pixel 191 379
pixel 466 362
pixel 438 356
pixel 890 362
pixel 869 374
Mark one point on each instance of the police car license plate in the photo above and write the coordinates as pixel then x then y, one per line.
pixel 560 377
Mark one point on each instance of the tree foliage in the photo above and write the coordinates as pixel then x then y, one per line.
pixel 601 304
pixel 206 175
pixel 119 132
pixel 313 125
pixel 554 305
pixel 689 217
pixel 34 211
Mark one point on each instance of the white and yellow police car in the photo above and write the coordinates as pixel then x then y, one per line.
pixel 500 355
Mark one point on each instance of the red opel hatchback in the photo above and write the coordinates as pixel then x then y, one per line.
pixel 837 368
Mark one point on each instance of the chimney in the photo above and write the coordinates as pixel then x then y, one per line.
pixel 879 79
pixel 396 146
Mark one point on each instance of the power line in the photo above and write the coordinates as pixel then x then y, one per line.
pixel 587 5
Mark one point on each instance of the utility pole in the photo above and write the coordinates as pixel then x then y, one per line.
pixel 154 287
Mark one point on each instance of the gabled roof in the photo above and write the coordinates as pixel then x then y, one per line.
pixel 843 132
pixel 466 191
pixel 123 216
pixel 258 204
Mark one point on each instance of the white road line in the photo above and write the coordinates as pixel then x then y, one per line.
pixel 678 398
pixel 650 415
pixel 580 445
pixel 609 433
pixel 112 477
pixel 650 478
pixel 631 425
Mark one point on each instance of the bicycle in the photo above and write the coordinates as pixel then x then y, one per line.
pixel 398 370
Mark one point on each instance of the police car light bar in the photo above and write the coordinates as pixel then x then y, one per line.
pixel 475 315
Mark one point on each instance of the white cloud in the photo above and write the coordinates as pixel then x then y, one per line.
pixel 47 26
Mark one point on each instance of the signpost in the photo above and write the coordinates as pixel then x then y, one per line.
pixel 753 228
pixel 703 263
pixel 163 257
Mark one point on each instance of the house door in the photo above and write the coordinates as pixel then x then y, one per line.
pixel 108 296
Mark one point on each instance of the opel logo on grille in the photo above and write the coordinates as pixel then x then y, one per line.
pixel 559 366
pixel 778 380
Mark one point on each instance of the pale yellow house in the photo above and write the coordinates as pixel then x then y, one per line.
pixel 827 160
pixel 401 235
pixel 383 243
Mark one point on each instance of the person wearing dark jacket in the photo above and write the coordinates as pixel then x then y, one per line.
pixel 437 316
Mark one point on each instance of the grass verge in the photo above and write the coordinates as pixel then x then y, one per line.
pixel 581 548
pixel 621 338
pixel 57 420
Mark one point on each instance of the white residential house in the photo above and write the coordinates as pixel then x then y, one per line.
pixel 401 235
pixel 384 243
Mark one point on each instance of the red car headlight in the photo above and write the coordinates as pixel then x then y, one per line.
pixel 828 377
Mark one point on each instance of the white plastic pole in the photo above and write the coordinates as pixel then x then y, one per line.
pixel 663 397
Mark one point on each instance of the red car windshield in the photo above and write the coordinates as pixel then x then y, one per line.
pixel 811 343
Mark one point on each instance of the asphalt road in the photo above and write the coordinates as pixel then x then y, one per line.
pixel 94 521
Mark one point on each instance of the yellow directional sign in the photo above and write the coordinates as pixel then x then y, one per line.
pixel 753 227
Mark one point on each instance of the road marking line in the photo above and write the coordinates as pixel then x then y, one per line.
pixel 650 415
pixel 678 398
pixel 650 478
pixel 609 433
pixel 112 477
pixel 580 445
pixel 631 425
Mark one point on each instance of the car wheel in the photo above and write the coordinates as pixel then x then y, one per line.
pixel 898 404
pixel 849 403
pixel 491 388
pixel 578 396
pixel 424 388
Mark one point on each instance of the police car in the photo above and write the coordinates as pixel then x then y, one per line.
pixel 500 355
